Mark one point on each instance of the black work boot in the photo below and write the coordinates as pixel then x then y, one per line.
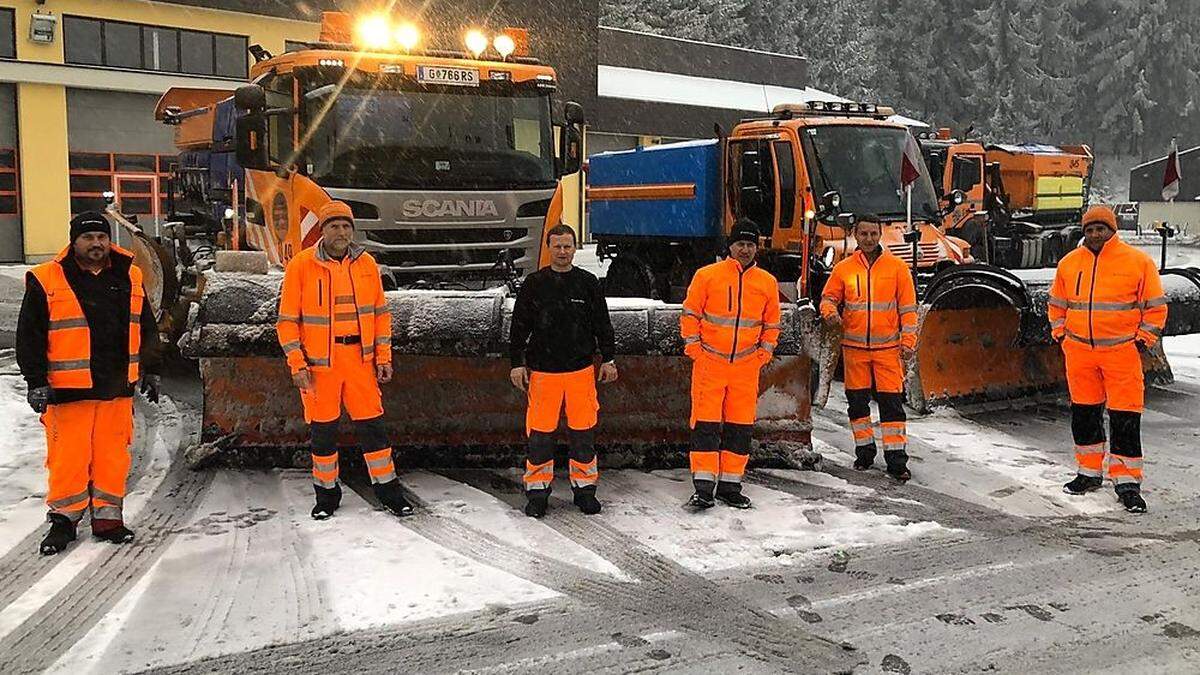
pixel 1082 484
pixel 392 498
pixel 62 532
pixel 864 457
pixel 537 501
pixel 1130 495
pixel 731 495
pixel 585 499
pixel 328 500
pixel 699 502
pixel 897 465
pixel 111 530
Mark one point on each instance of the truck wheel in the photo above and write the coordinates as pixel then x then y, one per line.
pixel 628 278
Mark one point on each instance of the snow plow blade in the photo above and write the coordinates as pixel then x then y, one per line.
pixel 451 403
pixel 983 335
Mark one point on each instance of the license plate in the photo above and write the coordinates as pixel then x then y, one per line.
pixel 459 77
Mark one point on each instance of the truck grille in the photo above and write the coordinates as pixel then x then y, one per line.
pixel 928 252
pixel 402 259
pixel 447 235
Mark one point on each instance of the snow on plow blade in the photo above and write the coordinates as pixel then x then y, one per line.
pixel 984 336
pixel 451 397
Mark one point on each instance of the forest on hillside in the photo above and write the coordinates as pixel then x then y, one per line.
pixel 1120 75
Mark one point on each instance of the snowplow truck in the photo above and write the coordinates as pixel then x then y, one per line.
pixel 1024 202
pixel 804 175
pixel 451 163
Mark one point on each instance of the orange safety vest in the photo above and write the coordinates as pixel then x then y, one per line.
pixel 307 309
pixel 879 301
pixel 731 312
pixel 1108 299
pixel 69 341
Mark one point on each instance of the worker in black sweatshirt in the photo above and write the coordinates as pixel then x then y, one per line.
pixel 559 323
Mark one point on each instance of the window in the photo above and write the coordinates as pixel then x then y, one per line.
pixel 140 181
pixel 787 182
pixel 752 190
pixel 968 172
pixel 9 185
pixel 280 95
pixel 8 34
pixel 116 44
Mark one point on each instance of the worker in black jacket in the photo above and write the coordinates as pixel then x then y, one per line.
pixel 559 323
pixel 86 336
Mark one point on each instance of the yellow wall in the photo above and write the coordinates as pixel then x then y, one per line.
pixel 45 201
pixel 42 109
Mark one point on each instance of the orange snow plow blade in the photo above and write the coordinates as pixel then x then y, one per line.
pixel 451 402
pixel 983 335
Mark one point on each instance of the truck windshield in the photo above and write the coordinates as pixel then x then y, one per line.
pixel 863 164
pixel 390 139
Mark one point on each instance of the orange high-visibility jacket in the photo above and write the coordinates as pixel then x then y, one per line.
pixel 730 312
pixel 1109 299
pixel 306 309
pixel 69 341
pixel 878 301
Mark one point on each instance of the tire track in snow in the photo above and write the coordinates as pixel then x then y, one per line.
pixel 687 600
pixel 70 614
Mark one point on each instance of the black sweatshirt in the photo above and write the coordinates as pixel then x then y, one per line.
pixel 560 320
pixel 105 301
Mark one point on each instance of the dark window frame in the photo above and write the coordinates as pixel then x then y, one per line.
pixel 12 23
pixel 142 27
pixel 15 193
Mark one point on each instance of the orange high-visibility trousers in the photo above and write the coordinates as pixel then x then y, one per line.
pixel 87 455
pixel 724 407
pixel 1112 378
pixel 549 393
pixel 878 374
pixel 350 382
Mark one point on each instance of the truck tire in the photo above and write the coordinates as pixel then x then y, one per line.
pixel 628 277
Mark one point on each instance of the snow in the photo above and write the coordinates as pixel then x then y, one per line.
pixel 1183 353
pixel 780 529
pixel 22 465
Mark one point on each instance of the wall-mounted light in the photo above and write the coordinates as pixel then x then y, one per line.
pixel 41 27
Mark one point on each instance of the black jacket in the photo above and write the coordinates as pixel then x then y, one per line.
pixel 105 301
pixel 560 321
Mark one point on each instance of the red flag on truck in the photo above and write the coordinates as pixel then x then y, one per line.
pixel 1171 176
pixel 910 162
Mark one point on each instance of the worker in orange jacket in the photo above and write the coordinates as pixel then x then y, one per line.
pixel 730 326
pixel 85 336
pixel 871 295
pixel 336 331
pixel 1106 302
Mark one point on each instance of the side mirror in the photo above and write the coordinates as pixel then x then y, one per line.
pixel 572 151
pixel 250 138
pixel 846 220
pixel 573 113
pixel 250 97
pixel 957 197
pixel 829 206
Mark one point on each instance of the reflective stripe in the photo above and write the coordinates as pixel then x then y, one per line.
pixel 1153 330
pixel 860 442
pixel 82 364
pixel 62 324
pixel 289 318
pixel 317 362
pixel 383 340
pixel 381 310
pixel 904 330
pixel 768 347
pixel 1123 480
pixel 704 475
pixel 345 316
pixel 384 478
pixel 1101 342
pixel 731 321
pixel 290 346
pixel 108 497
pixel 905 309
pixel 68 501
pixel 1058 323
pixel 771 326
pixel 873 306
pixel 327 484
pixel 135 358
pixel 1057 302
pixel 1154 302
pixel 381 463
pixel 135 318
pixel 1128 462
pixel 893 446
pixel 688 312
pixel 1091 473
pixel 107 513
pixel 349 299
pixel 862 339
pixel 744 352
pixel 861 424
pixel 330 464
pixel 730 477
pixel 315 320
pixel 1103 306
pixel 690 339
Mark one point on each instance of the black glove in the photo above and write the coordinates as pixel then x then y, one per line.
pixel 37 398
pixel 150 387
